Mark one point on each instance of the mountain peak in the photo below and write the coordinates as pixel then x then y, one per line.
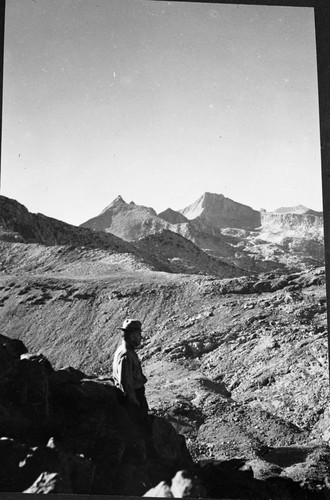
pixel 117 200
pixel 220 212
pixel 207 195
pixel 172 216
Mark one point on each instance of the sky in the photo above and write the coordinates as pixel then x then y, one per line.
pixel 158 102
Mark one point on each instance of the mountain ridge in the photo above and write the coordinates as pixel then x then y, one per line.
pixel 256 241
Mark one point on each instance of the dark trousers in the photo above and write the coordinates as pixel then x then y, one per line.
pixel 137 413
pixel 141 397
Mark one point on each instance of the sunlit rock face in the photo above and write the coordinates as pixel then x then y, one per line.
pixel 218 211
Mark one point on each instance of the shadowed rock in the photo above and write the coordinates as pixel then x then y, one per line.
pixel 92 443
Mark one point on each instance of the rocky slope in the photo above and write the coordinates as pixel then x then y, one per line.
pixel 298 235
pixel 292 221
pixel 184 256
pixel 238 366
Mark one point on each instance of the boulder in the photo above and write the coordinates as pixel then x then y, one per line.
pixel 49 482
pixel 169 446
pixel 10 352
pixel 162 490
pixel 66 375
pixel 22 466
pixel 183 485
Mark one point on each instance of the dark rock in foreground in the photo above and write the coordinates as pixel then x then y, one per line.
pixel 64 432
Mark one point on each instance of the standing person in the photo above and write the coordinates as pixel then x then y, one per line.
pixel 127 371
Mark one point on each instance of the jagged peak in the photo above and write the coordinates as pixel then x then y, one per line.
pixel 119 199
pixel 116 202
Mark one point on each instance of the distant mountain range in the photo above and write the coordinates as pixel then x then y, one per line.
pixel 299 209
pixel 214 235
pixel 254 240
pixel 210 213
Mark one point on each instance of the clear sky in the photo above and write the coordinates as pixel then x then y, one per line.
pixel 158 102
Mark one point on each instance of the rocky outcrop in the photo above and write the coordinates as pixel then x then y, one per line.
pixel 297 235
pixel 182 485
pixel 292 220
pixel 64 432
pixel 218 211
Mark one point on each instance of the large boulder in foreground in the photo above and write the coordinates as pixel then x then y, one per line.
pixel 64 432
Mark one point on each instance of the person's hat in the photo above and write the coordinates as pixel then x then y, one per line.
pixel 131 325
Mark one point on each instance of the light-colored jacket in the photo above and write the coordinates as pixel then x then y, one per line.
pixel 127 371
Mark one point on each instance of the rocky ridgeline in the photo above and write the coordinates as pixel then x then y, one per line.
pixel 17 224
pixel 64 432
